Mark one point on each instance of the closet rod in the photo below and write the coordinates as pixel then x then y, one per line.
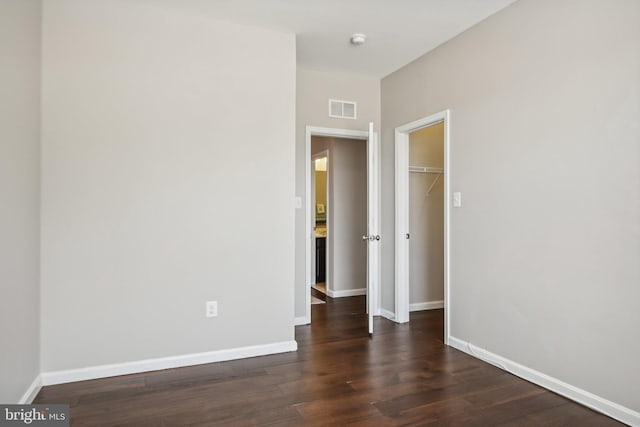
pixel 425 169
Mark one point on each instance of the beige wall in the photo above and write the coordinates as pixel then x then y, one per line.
pixel 347 211
pixel 313 91
pixel 426 217
pixel 20 196
pixel 156 127
pixel 545 100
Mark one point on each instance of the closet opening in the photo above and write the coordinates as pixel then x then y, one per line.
pixel 422 220
pixel 426 219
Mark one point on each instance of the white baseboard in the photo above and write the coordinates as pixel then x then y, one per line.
pixel 597 403
pixel 302 320
pixel 104 371
pixel 346 293
pixel 388 314
pixel 429 305
pixel 31 392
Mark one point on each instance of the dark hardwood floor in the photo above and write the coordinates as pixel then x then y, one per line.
pixel 404 375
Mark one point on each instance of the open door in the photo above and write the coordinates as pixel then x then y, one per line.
pixel 373 225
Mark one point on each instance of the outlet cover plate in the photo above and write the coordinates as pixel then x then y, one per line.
pixel 212 309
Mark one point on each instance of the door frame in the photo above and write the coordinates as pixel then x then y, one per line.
pixel 331 133
pixel 402 216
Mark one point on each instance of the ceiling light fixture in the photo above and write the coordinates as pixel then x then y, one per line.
pixel 358 39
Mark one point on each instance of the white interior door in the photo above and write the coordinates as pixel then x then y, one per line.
pixel 373 224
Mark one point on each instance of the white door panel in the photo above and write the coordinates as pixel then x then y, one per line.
pixel 373 224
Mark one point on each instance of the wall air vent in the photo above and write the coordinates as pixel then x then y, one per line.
pixel 342 109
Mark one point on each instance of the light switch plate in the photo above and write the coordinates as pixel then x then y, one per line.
pixel 457 199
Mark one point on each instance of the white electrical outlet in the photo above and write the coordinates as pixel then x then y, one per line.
pixel 212 309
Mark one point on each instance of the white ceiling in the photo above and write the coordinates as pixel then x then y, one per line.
pixel 398 31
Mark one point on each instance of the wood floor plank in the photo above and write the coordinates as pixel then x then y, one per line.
pixel 403 376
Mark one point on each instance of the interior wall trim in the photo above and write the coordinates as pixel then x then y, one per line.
pixel 138 366
pixel 588 399
pixel 346 293
pixel 387 314
pixel 302 320
pixel 428 305
pixel 31 392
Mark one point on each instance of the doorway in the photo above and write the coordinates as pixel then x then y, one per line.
pixel 340 210
pixel 367 235
pixel 320 193
pixel 422 217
